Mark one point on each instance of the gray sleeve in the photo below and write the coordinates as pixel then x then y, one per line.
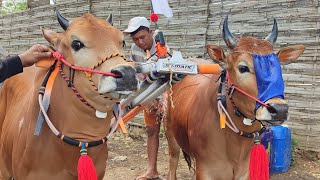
pixel 130 55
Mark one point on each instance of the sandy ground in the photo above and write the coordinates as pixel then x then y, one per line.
pixel 127 159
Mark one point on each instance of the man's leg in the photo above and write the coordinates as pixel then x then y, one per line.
pixel 152 149
pixel 153 129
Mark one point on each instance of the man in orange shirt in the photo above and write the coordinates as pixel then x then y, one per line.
pixel 139 30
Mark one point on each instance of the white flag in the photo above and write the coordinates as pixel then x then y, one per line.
pixel 162 7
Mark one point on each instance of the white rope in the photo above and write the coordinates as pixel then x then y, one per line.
pixel 114 126
pixel 51 126
pixel 232 126
pixel 56 132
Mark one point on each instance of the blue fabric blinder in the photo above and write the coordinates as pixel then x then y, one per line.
pixel 269 77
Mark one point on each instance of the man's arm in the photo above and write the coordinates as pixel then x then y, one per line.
pixel 14 65
pixel 9 67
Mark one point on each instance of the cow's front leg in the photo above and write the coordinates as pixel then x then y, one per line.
pixel 174 152
pixel 213 170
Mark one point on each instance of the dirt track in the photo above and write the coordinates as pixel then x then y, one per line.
pixel 127 159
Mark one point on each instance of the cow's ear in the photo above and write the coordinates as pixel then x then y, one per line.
pixel 289 54
pixel 50 36
pixel 216 54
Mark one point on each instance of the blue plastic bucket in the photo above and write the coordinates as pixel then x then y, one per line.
pixel 266 139
pixel 280 149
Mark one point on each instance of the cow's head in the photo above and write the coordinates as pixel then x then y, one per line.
pixel 253 66
pixel 87 41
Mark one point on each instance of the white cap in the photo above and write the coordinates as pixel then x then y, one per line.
pixel 135 23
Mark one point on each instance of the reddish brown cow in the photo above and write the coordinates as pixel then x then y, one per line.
pixel 86 42
pixel 193 125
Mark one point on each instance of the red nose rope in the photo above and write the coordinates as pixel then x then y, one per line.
pixel 58 56
pixel 259 162
pixel 243 92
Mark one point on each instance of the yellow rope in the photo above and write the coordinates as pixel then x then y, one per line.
pixel 170 83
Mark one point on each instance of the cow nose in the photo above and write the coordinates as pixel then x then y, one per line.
pixel 278 111
pixel 117 72
pixel 126 81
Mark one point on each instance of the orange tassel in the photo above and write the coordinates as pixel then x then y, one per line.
pixel 259 163
pixel 86 169
pixel 222 120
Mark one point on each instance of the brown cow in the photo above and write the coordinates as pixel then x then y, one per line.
pixel 85 42
pixel 193 125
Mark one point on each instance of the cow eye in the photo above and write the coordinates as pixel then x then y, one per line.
pixel 243 69
pixel 77 45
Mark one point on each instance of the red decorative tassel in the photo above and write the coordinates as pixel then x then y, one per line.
pixel 86 169
pixel 259 163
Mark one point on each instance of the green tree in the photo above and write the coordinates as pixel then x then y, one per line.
pixel 12 6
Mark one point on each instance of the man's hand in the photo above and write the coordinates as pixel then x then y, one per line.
pixel 34 54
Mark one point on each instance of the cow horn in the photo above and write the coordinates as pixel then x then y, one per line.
pixel 64 23
pixel 272 37
pixel 228 38
pixel 109 19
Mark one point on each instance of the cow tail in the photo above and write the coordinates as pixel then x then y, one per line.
pixel 189 161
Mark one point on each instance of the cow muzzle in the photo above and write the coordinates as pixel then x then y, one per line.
pixel 278 111
pixel 122 86
pixel 275 114
pixel 127 80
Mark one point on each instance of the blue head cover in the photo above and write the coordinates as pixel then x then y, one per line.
pixel 269 77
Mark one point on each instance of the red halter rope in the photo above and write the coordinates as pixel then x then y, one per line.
pixel 243 92
pixel 58 56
